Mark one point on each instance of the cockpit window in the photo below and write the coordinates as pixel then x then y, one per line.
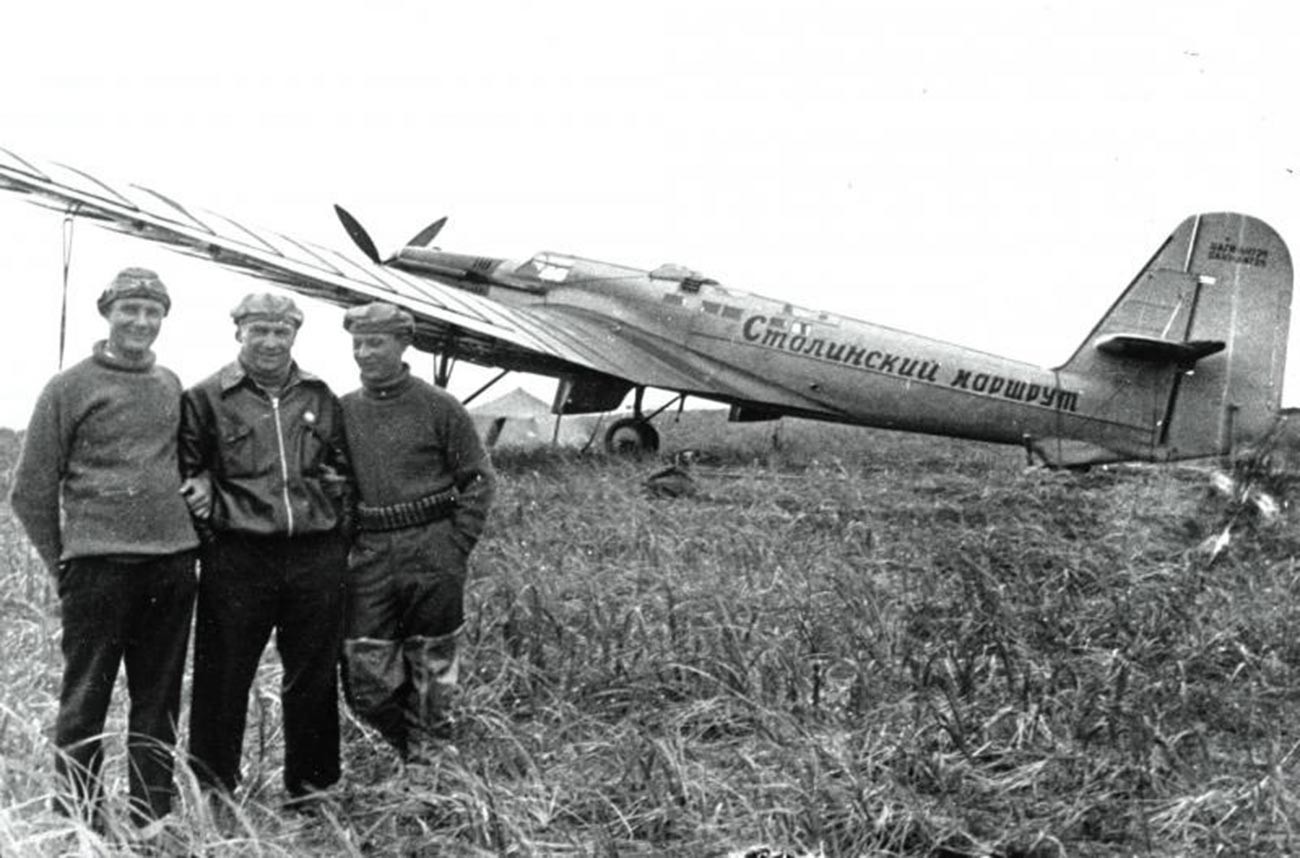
pixel 547 267
pixel 688 280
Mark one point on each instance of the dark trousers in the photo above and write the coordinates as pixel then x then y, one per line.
pixel 405 607
pixel 403 583
pixel 139 613
pixel 247 587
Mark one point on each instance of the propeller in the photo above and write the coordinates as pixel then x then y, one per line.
pixel 425 237
pixel 362 239
pixel 358 234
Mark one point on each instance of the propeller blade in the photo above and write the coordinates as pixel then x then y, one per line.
pixel 358 234
pixel 425 237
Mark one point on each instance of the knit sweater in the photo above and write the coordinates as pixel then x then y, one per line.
pixel 98 473
pixel 409 440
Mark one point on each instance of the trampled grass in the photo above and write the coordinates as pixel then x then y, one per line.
pixel 854 643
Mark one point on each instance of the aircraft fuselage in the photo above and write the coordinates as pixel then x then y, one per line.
pixel 828 366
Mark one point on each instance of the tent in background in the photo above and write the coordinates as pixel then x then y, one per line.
pixel 519 419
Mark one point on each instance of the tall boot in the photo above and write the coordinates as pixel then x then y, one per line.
pixel 375 685
pixel 433 665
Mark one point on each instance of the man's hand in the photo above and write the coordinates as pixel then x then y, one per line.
pixel 197 492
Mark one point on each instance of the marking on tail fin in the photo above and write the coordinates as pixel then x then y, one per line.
pixel 1229 251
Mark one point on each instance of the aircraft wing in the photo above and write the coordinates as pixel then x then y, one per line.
pixel 540 339
pixel 476 328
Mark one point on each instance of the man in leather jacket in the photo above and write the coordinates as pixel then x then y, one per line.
pixel 268 477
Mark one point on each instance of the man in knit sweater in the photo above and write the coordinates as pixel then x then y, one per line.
pixel 425 485
pixel 264 457
pixel 97 488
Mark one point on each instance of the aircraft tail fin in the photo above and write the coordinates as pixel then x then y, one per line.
pixel 1198 340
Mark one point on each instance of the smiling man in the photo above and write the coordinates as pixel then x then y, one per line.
pixel 267 475
pixel 97 488
pixel 425 484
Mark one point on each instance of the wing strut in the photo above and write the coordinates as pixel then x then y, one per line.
pixel 69 219
pixel 442 369
pixel 475 395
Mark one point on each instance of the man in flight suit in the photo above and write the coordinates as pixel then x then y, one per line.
pixel 425 484
pixel 262 447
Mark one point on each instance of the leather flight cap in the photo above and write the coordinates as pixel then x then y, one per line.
pixel 134 283
pixel 267 307
pixel 379 317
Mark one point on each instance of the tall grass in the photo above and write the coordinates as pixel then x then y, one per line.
pixel 847 643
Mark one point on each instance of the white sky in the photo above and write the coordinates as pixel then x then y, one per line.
pixel 988 173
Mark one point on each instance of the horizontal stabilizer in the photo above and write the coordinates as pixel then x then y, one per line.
pixel 1156 350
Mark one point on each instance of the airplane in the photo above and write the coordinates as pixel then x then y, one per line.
pixel 1186 364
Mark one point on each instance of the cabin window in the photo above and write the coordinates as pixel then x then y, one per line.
pixel 726 311
pixel 796 327
pixel 800 322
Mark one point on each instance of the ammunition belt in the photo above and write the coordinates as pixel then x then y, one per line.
pixel 399 516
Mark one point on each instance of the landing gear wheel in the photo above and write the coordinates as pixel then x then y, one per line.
pixel 631 436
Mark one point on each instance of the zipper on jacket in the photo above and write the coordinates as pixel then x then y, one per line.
pixel 284 461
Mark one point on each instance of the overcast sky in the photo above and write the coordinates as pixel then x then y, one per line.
pixel 987 173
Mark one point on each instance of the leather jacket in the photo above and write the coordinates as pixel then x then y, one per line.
pixel 277 466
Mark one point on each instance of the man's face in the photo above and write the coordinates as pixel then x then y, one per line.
pixel 266 346
pixel 378 356
pixel 133 325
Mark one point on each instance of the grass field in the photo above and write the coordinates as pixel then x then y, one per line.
pixel 853 643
